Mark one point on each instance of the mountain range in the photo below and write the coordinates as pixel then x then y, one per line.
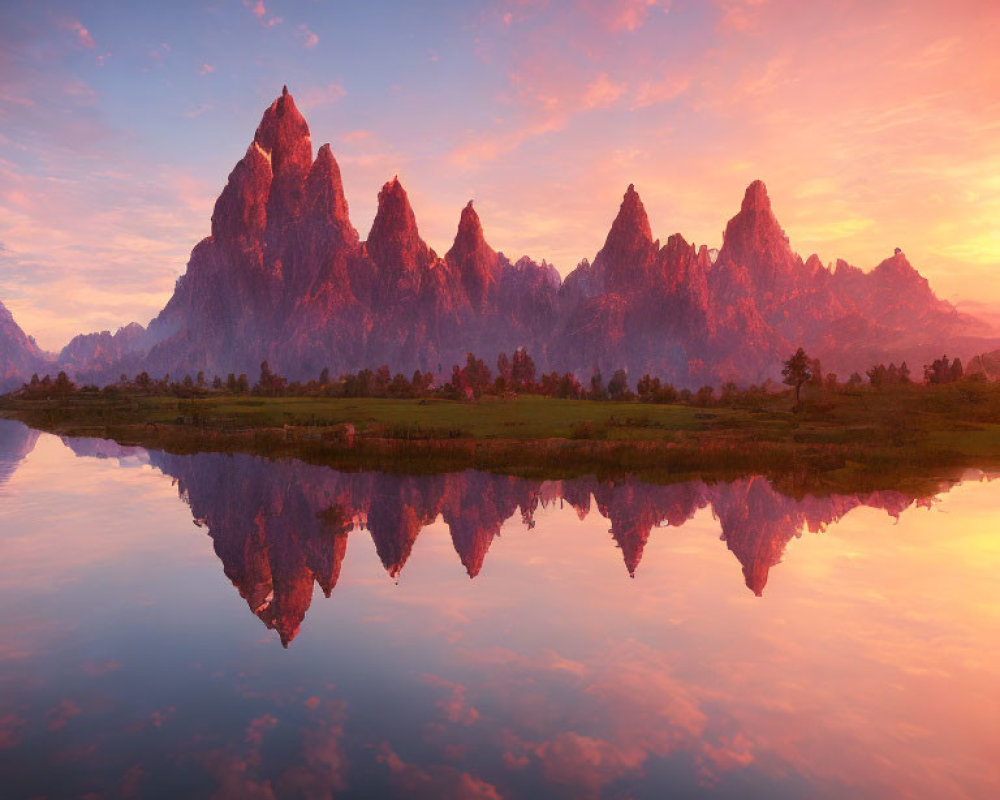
pixel 285 277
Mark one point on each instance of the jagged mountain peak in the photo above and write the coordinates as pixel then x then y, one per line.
pixel 755 242
pixel 394 217
pixel 240 213
pixel 626 258
pixel 632 220
pixel 756 198
pixel 476 263
pixel 469 238
pixel 755 218
pixel 325 159
pixel 324 194
pixel 282 127
pixel 896 264
pixel 284 135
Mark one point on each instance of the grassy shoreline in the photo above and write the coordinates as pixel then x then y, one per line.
pixel 865 440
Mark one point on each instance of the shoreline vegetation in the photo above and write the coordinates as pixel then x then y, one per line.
pixel 837 438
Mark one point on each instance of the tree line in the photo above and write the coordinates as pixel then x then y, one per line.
pixel 514 374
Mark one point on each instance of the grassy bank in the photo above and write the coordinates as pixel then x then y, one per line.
pixel 846 440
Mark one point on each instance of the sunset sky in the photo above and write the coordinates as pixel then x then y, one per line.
pixel 874 125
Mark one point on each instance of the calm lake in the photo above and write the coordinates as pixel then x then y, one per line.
pixel 225 626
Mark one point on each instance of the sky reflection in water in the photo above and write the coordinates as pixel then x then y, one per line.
pixel 142 654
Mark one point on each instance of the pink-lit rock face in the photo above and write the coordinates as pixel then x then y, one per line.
pixel 285 277
pixel 19 355
pixel 475 262
pixel 106 350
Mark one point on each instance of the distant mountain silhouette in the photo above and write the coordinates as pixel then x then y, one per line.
pixel 284 276
pixel 280 526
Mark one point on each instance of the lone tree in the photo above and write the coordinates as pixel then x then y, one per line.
pixel 797 371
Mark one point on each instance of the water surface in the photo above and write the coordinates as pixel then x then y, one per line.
pixel 224 626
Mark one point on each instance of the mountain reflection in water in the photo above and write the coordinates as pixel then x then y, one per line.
pixel 129 667
pixel 278 527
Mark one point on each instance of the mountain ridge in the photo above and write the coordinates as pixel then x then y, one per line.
pixel 285 277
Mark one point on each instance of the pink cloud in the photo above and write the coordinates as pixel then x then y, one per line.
pixel 435 780
pixel 321 95
pixel 355 136
pixel 488 147
pixel 651 93
pixel 15 99
pixel 628 15
pixel 259 10
pixel 71 265
pixel 587 763
pixel 75 26
pixel 159 52
pixel 206 69
pixel 602 92
pixel 309 38
pixel 456 708
pixel 739 15
pixel 10 728
pixel 60 716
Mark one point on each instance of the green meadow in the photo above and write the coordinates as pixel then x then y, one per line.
pixel 845 439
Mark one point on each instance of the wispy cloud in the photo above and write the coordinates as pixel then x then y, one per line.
pixel 308 37
pixel 75 26
pixel 602 92
pixel 259 10
pixel 355 136
pixel 650 93
pixel 739 15
pixel 321 95
pixel 627 15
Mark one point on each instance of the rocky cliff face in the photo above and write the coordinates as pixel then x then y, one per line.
pixel 19 355
pixel 101 352
pixel 285 277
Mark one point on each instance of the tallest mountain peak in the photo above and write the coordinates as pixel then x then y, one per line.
pixel 756 197
pixel 283 126
pixel 284 135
